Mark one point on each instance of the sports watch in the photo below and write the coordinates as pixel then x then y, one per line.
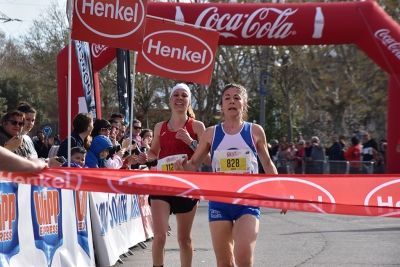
pixel 194 144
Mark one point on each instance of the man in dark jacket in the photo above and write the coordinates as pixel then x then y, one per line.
pixel 42 146
pixel 335 155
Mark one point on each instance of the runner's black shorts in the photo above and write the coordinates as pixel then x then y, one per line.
pixel 177 204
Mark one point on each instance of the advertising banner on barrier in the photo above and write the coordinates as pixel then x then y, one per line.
pixel 38 227
pixel 115 23
pixel 178 51
pixel 147 219
pixel 117 225
pixel 376 195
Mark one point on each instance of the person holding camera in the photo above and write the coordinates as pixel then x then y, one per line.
pixel 11 127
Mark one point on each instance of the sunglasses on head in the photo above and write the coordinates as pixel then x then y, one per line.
pixel 137 128
pixel 105 129
pixel 14 123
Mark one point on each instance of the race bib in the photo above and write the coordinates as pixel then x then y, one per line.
pixel 167 163
pixel 367 151
pixel 233 161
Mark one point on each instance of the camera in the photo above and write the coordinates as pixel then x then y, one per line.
pixel 61 159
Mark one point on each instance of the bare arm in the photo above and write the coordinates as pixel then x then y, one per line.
pixel 263 155
pixel 200 154
pixel 11 162
pixel 199 130
pixel 152 154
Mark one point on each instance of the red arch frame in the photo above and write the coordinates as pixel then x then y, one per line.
pixel 362 23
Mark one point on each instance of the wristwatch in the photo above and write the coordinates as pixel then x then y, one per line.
pixel 194 144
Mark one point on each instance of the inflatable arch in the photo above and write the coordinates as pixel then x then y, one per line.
pixel 362 23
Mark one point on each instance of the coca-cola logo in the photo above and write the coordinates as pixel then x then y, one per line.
pixel 177 52
pixel 387 40
pixel 294 188
pixel 97 49
pixel 386 197
pixel 111 18
pixel 271 23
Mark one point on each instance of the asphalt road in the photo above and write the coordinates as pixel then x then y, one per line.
pixel 295 239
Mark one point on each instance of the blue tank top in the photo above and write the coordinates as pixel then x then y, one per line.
pixel 241 140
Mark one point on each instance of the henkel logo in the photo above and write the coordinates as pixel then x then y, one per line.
pixel 154 183
pixel 125 16
pixel 386 197
pixel 271 23
pixel 294 188
pixel 97 49
pixel 177 52
pixel 387 40
pixel 57 179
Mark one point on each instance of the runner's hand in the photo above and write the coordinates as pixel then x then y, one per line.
pixel 183 135
pixel 142 158
pixel 180 164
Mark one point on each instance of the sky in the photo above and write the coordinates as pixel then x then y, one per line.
pixel 25 10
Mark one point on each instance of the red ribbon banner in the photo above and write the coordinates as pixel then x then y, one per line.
pixel 374 195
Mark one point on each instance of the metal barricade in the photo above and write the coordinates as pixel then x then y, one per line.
pixel 314 167
pixel 282 166
pixel 338 167
pixel 361 167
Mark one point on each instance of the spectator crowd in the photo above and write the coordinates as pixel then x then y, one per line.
pixel 310 156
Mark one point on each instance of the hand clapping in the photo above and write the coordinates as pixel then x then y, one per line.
pixel 14 143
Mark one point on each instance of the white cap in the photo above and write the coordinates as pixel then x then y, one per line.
pixel 181 86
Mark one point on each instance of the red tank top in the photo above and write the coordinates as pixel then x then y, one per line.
pixel 169 145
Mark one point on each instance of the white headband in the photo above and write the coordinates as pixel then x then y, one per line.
pixel 181 86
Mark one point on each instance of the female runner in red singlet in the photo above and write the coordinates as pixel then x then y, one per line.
pixel 176 136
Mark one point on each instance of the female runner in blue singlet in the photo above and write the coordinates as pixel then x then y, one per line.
pixel 233 227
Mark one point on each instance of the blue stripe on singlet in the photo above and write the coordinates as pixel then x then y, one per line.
pixel 248 138
pixel 218 137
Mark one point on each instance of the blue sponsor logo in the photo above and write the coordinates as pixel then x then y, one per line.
pixel 46 209
pixel 102 210
pixel 135 209
pixel 80 201
pixel 118 210
pixel 9 243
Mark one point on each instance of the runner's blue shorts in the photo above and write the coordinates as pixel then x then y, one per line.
pixel 219 211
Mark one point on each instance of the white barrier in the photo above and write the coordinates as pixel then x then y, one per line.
pixel 117 225
pixel 42 226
